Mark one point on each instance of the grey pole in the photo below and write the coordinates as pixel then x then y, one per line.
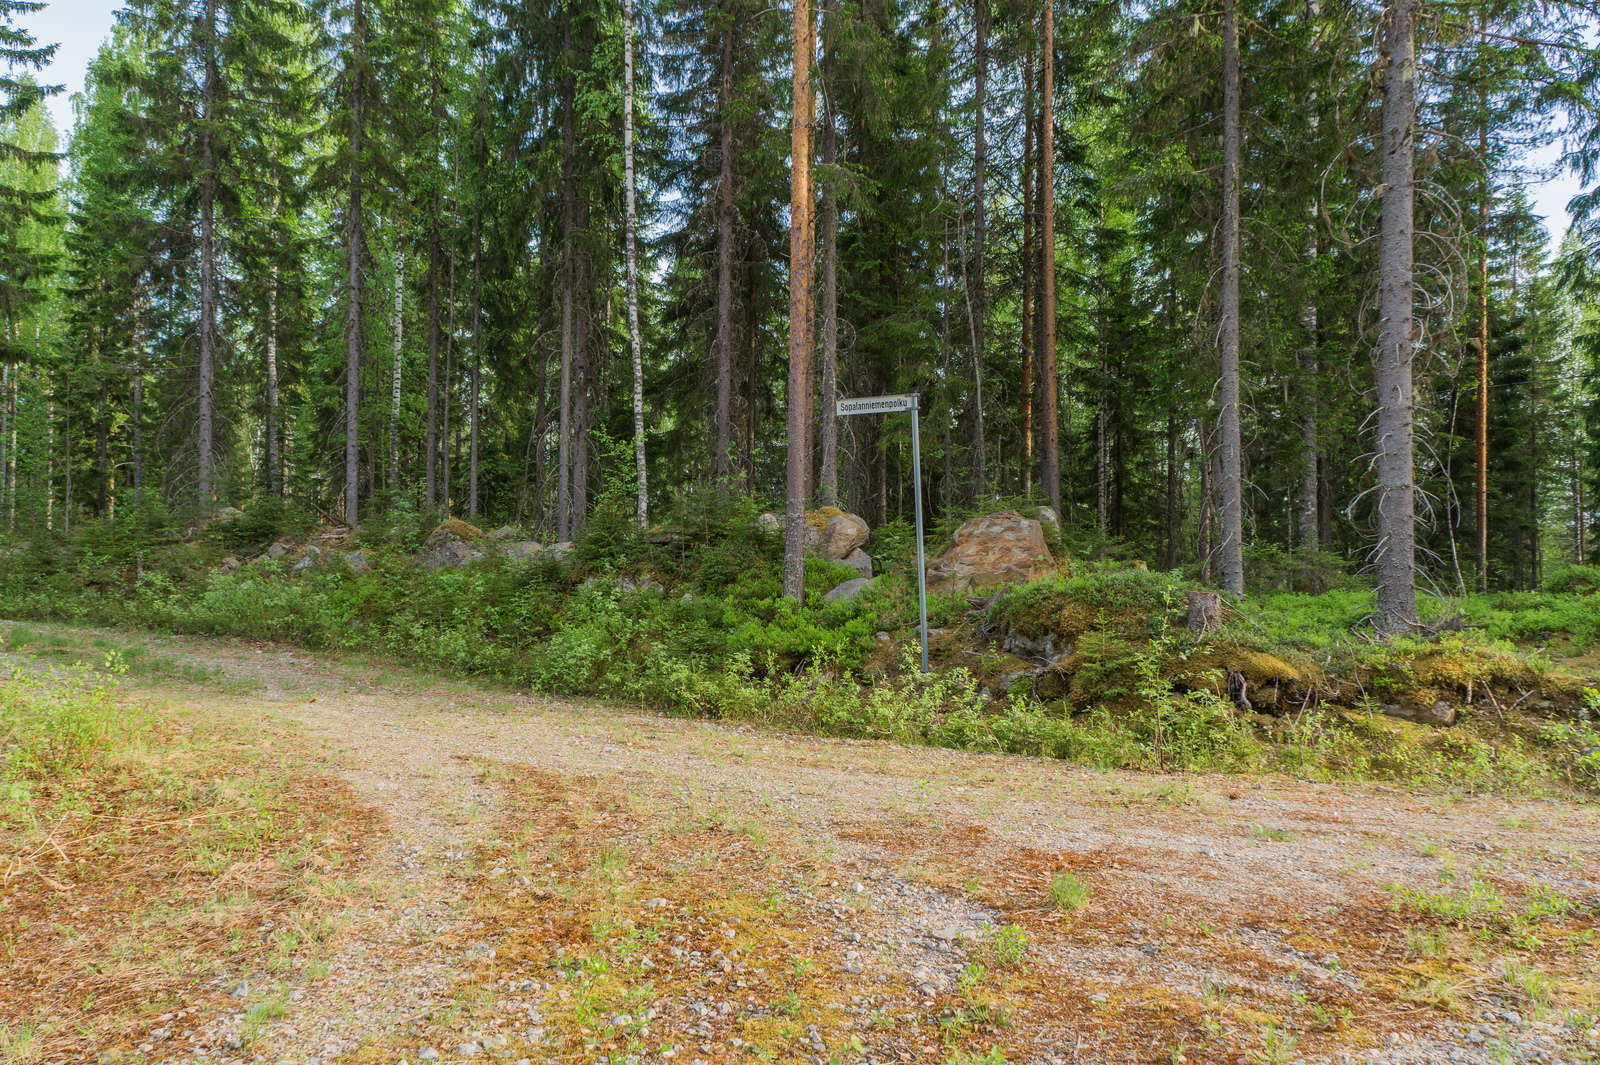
pixel 922 569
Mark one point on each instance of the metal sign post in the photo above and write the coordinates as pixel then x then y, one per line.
pixel 886 405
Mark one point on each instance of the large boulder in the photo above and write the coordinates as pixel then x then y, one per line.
pixel 451 544
pixel 996 549
pixel 830 532
pixel 838 533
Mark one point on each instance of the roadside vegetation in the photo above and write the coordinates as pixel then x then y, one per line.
pixel 1091 663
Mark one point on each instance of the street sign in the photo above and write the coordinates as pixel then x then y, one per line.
pixel 875 405
pixel 889 404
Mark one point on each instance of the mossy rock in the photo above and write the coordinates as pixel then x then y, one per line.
pixel 819 518
pixel 1258 667
pixel 454 527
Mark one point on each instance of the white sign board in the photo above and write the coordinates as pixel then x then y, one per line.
pixel 874 405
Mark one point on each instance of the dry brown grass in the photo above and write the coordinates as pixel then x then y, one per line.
pixel 142 885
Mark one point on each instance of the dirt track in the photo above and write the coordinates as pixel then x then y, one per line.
pixel 810 899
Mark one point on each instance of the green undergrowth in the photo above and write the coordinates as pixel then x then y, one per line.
pixel 689 619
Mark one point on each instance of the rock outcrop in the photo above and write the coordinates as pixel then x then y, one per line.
pixel 451 544
pixel 996 549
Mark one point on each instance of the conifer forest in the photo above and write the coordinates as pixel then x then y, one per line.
pixel 845 532
pixel 1209 280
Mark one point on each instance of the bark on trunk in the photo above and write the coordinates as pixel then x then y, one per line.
pixel 205 415
pixel 1229 444
pixel 1047 271
pixel 642 512
pixel 1205 612
pixel 394 383
pixel 1482 485
pixel 564 436
pixel 979 310
pixel 1397 599
pixel 430 488
pixel 102 456
pixel 800 297
pixel 475 385
pixel 828 480
pixel 274 473
pixel 721 462
pixel 1310 400
pixel 1029 274
pixel 353 243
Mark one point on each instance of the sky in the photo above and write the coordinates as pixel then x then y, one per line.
pixel 81 25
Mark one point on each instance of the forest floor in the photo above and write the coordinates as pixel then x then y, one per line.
pixel 505 877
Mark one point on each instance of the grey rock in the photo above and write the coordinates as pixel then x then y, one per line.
pixel 468 1050
pixel 953 933
pixel 240 990
pixel 859 561
pixel 1033 647
pixel 1509 1016
pixel 848 590
pixel 560 550
pixel 1440 713
pixel 1474 1036
pixel 881 636
pixel 451 551
pixel 505 532
pixel 278 550
pixel 357 561
pixel 427 1054
pixel 523 550
pixel 1102 998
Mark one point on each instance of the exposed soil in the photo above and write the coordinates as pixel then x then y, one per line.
pixel 557 881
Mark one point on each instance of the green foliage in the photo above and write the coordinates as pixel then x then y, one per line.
pixel 1008 945
pixel 56 724
pixel 266 520
pixel 1068 892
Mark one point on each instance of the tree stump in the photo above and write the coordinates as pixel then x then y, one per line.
pixel 1205 612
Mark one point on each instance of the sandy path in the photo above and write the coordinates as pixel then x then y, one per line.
pixel 1197 881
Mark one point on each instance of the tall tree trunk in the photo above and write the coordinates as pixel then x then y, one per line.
pixel 102 456
pixel 1482 473
pixel 274 472
pixel 642 508
pixel 353 245
pixel 564 438
pixel 1030 132
pixel 1396 552
pixel 475 383
pixel 136 416
pixel 206 415
pixel 474 401
pixel 1047 268
pixel 1172 492
pixel 446 483
pixel 721 467
pixel 828 481
pixel 581 376
pixel 430 488
pixel 1229 445
pixel 980 271
pixel 394 383
pixel 801 239
pixel 1309 370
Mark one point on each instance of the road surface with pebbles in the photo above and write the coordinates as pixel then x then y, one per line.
pixel 564 881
